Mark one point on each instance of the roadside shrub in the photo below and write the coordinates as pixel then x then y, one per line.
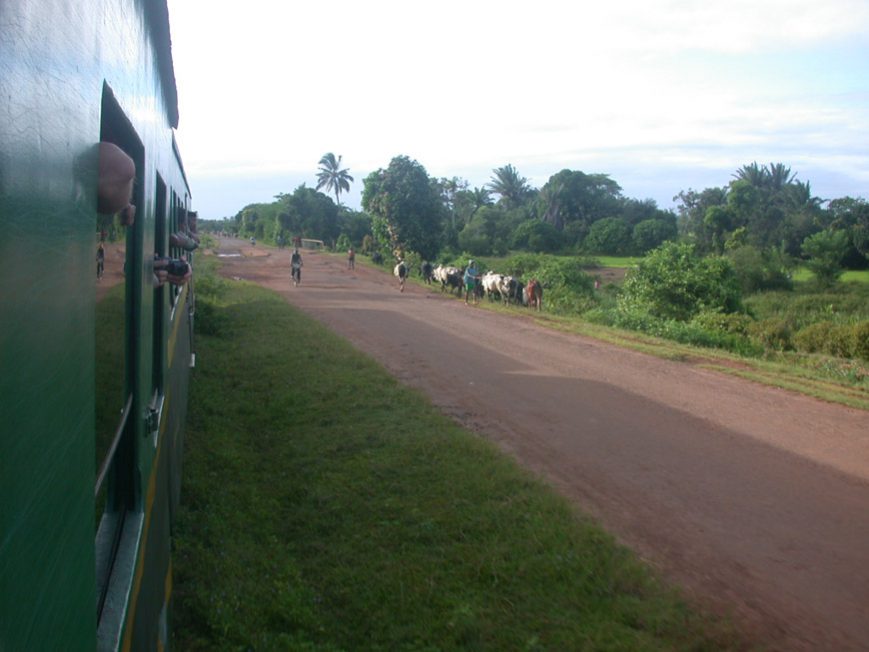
pixel 673 282
pixel 839 340
pixel 813 338
pixel 772 334
pixel 682 332
pixel 210 288
pixel 861 340
pixel 710 320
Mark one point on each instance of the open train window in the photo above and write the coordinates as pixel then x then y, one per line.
pixel 160 248
pixel 117 308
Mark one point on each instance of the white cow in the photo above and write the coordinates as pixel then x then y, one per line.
pixel 400 272
pixel 491 283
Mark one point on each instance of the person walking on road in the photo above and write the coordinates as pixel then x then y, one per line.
pixel 470 279
pixel 296 267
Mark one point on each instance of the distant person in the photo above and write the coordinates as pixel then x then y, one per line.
pixel 351 259
pixel 296 267
pixel 101 260
pixel 470 279
pixel 252 241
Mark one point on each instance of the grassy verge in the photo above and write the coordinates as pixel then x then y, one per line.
pixel 326 507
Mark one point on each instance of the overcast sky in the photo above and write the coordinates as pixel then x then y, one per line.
pixel 662 95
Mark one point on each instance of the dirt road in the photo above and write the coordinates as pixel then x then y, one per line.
pixel 753 499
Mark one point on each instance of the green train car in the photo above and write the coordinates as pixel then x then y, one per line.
pixel 94 371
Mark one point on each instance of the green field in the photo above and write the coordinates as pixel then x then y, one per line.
pixel 859 276
pixel 326 507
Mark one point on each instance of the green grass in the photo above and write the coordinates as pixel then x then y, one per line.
pixel 618 261
pixel 326 507
pixel 858 276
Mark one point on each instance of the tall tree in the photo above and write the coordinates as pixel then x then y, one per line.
pixel 405 206
pixel 573 196
pixel 512 187
pixel 332 177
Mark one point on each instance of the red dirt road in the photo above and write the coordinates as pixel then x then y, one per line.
pixel 753 499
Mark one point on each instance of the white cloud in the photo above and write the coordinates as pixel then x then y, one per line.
pixel 464 87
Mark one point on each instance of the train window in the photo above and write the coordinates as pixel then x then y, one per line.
pixel 117 307
pixel 160 244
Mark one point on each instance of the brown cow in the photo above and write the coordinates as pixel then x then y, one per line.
pixel 534 294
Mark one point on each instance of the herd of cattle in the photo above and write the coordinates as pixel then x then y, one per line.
pixel 507 289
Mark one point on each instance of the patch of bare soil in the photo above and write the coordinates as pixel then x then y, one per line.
pixel 608 275
pixel 753 499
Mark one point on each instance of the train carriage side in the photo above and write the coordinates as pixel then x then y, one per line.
pixel 94 390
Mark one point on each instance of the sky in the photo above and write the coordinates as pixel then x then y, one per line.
pixel 662 95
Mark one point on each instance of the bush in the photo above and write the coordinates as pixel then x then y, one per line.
pixel 839 340
pixel 673 282
pixel 736 323
pixel 649 234
pixel 772 334
pixel 611 235
pixel 826 250
pixel 759 270
pixel 536 235
pixel 813 338
pixel 678 331
pixel 861 340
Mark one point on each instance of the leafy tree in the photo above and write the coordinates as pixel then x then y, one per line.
pixel 825 250
pixel 309 213
pixel 611 235
pixel 673 282
pixel 535 235
pixel 489 230
pixel 773 205
pixel 652 233
pixel 573 196
pixel 691 211
pixel 760 270
pixel 355 225
pixel 634 211
pixel 332 177
pixel 852 215
pixel 405 206
pixel 510 185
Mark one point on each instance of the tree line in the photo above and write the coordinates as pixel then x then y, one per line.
pixel 764 216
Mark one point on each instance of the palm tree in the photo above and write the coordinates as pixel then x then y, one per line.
pixel 507 183
pixel 754 174
pixel 481 198
pixel 332 177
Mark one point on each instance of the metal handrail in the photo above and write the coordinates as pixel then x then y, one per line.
pixel 107 462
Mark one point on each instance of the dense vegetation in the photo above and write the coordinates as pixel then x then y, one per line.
pixel 309 523
pixel 705 268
